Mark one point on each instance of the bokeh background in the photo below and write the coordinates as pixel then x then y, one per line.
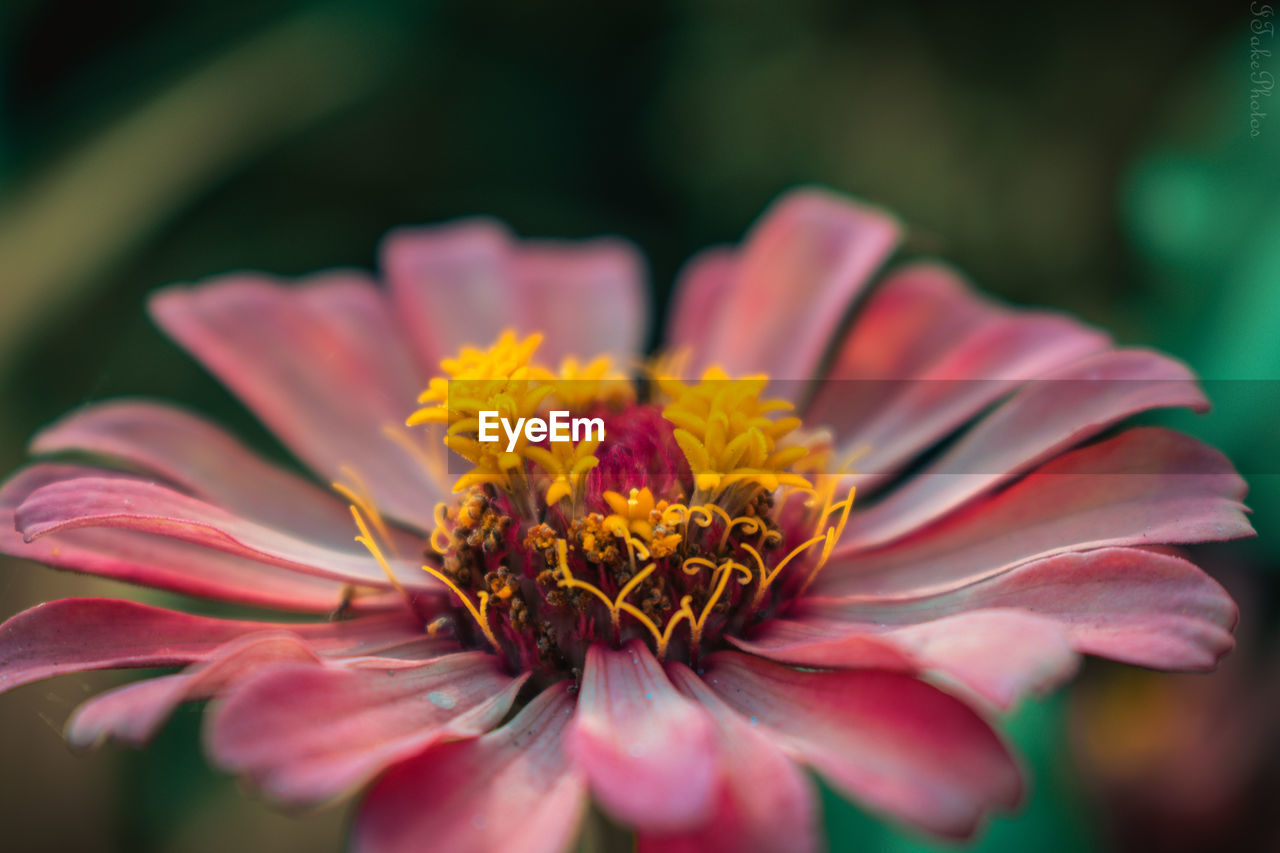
pixel 1091 156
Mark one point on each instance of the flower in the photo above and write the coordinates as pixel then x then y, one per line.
pixel 746 576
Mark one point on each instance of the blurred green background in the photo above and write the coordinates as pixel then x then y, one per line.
pixel 1091 156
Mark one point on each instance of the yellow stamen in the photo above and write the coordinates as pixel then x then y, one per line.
pixel 481 616
pixel 685 612
pixel 833 535
pixel 366 539
pixel 441 536
pixel 616 605
pixel 724 430
pixel 767 577
pixel 726 570
pixel 359 496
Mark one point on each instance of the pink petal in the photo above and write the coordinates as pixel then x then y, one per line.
pixel 766 803
pixel 1142 487
pixel 886 739
pixel 150 508
pixel 648 752
pixel 1043 419
pixel 134 713
pixel 512 790
pixel 203 459
pixel 157 561
pixel 77 634
pixel 925 356
pixel 701 288
pixel 1133 605
pixel 818 642
pixel 306 734
pixel 323 365
pixel 1001 655
pixel 463 283
pixel 800 268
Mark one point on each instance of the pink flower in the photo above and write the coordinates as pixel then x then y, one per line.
pixel 672 622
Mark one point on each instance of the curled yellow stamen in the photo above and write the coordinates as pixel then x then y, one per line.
pixel 685 612
pixel 833 535
pixel 726 570
pixel 441 536
pixel 366 539
pixel 481 615
pixel 767 577
pixel 693 565
pixel 635 581
pixel 616 605
pixel 359 496
pixel 568 580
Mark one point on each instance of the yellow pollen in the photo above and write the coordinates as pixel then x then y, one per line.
pixel 505 379
pixel 726 432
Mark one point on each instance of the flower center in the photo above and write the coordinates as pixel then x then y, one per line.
pixel 690 521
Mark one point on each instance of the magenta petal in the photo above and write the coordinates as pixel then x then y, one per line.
pixel 1144 486
pixel 465 282
pixel 135 712
pixel 799 269
pixel 1133 605
pixel 766 804
pixel 925 356
pixel 648 752
pixel 999 654
pixel 1043 419
pixel 77 634
pixel 156 561
pixel 886 739
pixel 324 365
pixel 203 459
pixel 512 790
pixel 130 504
pixel 306 734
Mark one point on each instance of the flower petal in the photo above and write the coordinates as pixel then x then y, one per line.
pixel 306 734
pixel 648 752
pixel 1043 419
pixel 925 356
pixel 78 634
pixel 203 459
pixel 1144 486
pixel 887 739
pixel 157 561
pixel 464 282
pixel 766 803
pixel 701 287
pixel 512 789
pixel 134 713
pixel 999 654
pixel 323 365
pixel 800 268
pixel 1129 604
pixel 130 504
